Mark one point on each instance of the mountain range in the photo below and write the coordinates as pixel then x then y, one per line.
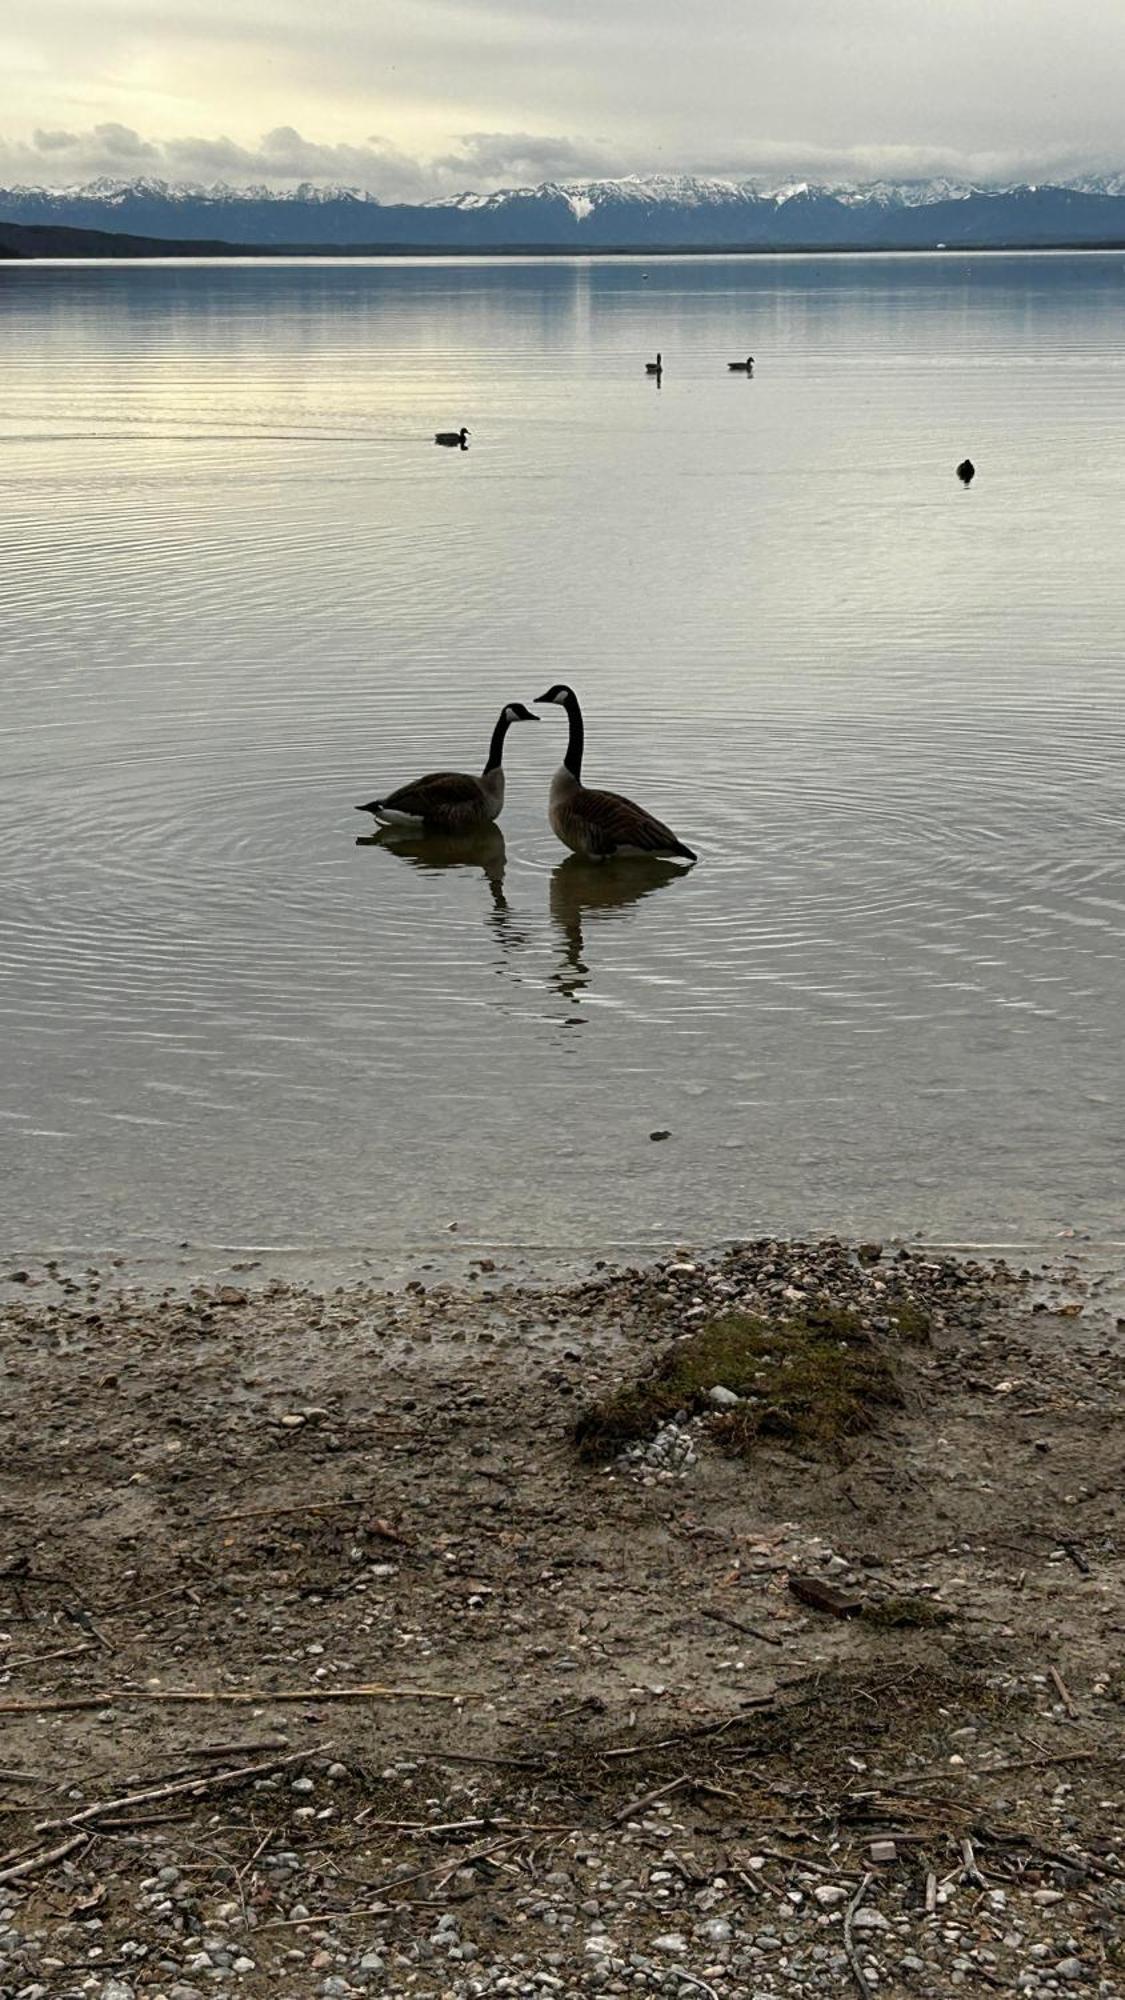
pixel 651 214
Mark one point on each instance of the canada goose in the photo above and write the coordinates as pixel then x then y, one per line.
pixel 742 367
pixel 600 825
pixel 655 367
pixel 452 437
pixel 451 801
pixel 966 472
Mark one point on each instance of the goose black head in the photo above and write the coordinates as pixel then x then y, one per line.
pixel 516 712
pixel 558 693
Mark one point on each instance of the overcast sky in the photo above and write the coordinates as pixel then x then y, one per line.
pixel 414 97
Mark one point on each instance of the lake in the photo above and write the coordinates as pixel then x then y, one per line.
pixel 242 591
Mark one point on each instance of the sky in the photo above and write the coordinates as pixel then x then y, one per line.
pixel 414 98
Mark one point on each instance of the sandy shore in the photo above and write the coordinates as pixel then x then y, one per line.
pixel 622 1753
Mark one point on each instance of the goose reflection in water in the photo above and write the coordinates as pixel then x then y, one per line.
pixel 435 852
pixel 580 888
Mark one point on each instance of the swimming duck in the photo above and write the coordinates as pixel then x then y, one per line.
pixel 452 801
pixel 458 438
pixel 655 367
pixel 742 367
pixel 966 472
pixel 601 825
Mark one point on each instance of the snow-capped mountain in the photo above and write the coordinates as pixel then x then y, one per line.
pixel 657 212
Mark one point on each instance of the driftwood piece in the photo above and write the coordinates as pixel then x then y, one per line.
pixel 822 1597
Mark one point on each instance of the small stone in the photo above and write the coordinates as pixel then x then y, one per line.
pixel 884 1850
pixel 723 1399
pixel 870 1920
pixel 828 1894
pixel 671 1941
pixel 1067 1968
pixel 1045 1897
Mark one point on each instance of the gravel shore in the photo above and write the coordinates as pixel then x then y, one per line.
pixel 329 1666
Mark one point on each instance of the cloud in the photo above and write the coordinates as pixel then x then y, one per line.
pixel 507 158
pixel 284 157
pixel 485 160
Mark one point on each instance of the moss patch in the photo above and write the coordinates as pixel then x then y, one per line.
pixel 901 1613
pixel 814 1379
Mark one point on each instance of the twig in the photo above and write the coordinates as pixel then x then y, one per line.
pixel 1063 1692
pixel 1041 1763
pixel 37 1659
pixel 43 1860
pixel 270 1513
pixel 207 1783
pixel 650 1798
pixel 970 1872
pixel 931 1893
pixel 383 1888
pixel 240 1696
pixel 690 1735
pixel 261 1745
pixel 853 1956
pixel 501 1763
pixel 739 1625
pixel 18 1778
pixel 693 1979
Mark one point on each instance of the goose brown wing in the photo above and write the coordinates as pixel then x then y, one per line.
pixel 615 822
pixel 441 791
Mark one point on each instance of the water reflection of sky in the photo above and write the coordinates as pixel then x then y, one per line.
pixel 241 589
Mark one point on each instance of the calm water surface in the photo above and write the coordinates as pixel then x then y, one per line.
pixel 241 590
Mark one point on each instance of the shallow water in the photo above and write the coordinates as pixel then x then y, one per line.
pixel 241 591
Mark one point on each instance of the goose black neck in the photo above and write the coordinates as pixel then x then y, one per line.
pixel 496 747
pixel 576 741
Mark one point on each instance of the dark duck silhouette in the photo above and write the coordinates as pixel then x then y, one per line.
pixel 457 438
pixel 966 472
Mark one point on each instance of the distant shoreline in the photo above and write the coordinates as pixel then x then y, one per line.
pixel 22 243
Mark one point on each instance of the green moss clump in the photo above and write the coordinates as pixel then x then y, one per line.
pixel 894 1614
pixel 911 1321
pixel 812 1379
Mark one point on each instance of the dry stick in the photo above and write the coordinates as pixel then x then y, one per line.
pixel 270 1513
pixel 740 1625
pixel 650 1798
pixel 44 1860
pixel 849 1947
pixel 1041 1763
pixel 37 1659
pixel 209 1782
pixel 18 1778
pixel 689 1735
pixel 468 1757
pixel 239 1749
pixel 1062 1690
pixel 380 1889
pixel 243 1695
